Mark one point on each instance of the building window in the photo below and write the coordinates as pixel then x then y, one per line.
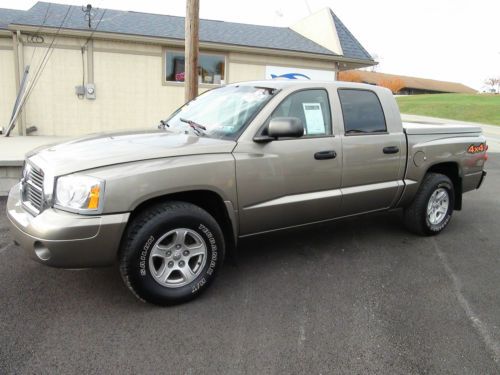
pixel 211 68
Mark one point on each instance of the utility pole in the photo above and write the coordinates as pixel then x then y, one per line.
pixel 191 49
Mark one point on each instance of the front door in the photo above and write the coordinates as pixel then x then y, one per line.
pixel 289 182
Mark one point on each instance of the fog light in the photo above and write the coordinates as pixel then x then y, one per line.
pixel 42 251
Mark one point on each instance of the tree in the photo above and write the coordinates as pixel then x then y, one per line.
pixel 492 82
pixel 393 84
pixel 349 76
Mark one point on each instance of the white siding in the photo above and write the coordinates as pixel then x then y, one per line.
pixel 129 88
pixel 7 80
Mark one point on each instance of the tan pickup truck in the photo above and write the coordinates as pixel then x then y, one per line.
pixel 240 160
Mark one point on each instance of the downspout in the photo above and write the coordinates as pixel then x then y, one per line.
pixel 18 70
pixel 90 61
pixel 337 69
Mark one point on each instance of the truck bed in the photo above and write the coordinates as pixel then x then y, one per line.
pixel 421 128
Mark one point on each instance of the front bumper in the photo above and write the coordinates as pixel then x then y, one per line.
pixel 62 239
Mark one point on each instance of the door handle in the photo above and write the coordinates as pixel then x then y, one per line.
pixel 322 155
pixel 391 150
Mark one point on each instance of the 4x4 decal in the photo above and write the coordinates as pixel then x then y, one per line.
pixel 474 149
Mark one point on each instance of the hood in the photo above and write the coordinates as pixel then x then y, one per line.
pixel 104 149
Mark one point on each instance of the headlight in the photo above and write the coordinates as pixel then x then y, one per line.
pixel 79 193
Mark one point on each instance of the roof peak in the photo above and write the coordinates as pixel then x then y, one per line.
pixel 335 36
pixel 350 45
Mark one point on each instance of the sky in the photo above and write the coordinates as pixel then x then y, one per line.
pixel 451 40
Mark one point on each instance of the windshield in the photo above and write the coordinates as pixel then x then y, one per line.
pixel 222 112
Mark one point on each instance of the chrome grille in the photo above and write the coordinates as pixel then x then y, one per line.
pixel 32 188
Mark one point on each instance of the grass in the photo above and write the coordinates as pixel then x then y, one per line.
pixel 464 107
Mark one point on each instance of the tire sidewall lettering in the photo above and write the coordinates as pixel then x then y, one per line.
pixel 144 231
pixel 212 262
pixel 143 256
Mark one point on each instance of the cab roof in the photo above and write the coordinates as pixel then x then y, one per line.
pixel 296 83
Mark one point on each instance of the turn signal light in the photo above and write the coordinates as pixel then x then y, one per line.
pixel 94 197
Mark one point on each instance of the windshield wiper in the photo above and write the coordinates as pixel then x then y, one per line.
pixel 198 128
pixel 163 125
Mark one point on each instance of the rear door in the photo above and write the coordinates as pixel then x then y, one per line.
pixel 372 152
pixel 292 181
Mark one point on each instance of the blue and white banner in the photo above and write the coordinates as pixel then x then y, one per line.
pixel 282 72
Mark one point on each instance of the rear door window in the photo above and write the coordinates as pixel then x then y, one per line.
pixel 362 112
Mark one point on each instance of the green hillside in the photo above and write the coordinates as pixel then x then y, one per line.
pixel 464 107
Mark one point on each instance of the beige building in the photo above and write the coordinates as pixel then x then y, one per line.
pixel 127 69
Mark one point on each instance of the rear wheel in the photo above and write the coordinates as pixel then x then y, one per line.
pixel 431 210
pixel 171 253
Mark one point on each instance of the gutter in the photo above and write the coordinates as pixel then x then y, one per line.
pixel 180 43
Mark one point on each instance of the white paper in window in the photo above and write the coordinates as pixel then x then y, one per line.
pixel 315 123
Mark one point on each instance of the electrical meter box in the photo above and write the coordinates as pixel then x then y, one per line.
pixel 90 91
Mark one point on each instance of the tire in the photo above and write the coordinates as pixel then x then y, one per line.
pixel 424 218
pixel 156 243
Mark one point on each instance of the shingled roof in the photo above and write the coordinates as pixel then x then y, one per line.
pixel 172 27
pixel 350 45
pixel 9 15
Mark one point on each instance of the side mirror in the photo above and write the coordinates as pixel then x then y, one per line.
pixel 285 127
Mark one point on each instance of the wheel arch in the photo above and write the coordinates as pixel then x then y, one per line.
pixel 452 170
pixel 208 200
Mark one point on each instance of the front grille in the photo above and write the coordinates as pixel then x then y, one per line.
pixel 32 188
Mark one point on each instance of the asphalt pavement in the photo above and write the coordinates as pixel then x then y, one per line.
pixel 358 296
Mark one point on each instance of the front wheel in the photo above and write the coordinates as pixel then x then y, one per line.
pixel 431 210
pixel 171 253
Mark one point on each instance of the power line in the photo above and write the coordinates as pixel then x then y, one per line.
pixel 46 57
pixel 21 101
pixel 38 30
pixel 26 68
pixel 37 75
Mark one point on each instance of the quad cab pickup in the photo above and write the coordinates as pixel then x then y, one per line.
pixel 240 160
